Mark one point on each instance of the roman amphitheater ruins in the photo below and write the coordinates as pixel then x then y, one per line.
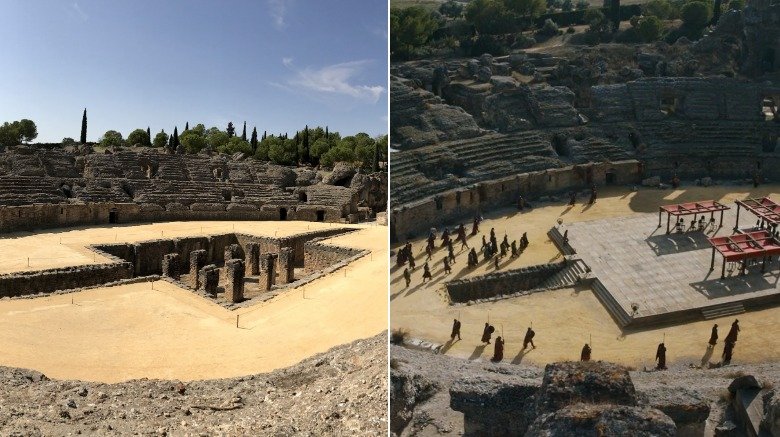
pixel 142 264
pixel 637 137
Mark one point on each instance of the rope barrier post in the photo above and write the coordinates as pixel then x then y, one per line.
pixel 28 261
pixel 237 316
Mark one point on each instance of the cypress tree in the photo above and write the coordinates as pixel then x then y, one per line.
pixel 305 149
pixel 375 164
pixel 243 134
pixel 148 136
pixel 253 142
pixel 187 126
pixel 175 137
pixel 327 135
pixel 231 130
pixel 265 134
pixel 84 127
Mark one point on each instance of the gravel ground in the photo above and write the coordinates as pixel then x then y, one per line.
pixel 340 392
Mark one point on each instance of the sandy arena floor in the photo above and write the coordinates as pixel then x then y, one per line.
pixel 162 331
pixel 566 319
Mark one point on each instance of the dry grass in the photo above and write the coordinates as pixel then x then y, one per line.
pixel 397 336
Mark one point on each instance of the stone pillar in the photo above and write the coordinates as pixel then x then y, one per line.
pixel 268 274
pixel 234 287
pixel 197 261
pixel 253 259
pixel 209 279
pixel 286 265
pixel 170 265
pixel 231 252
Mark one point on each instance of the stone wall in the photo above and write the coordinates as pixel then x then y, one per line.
pixel 319 256
pixel 464 203
pixel 501 283
pixel 44 216
pixel 46 281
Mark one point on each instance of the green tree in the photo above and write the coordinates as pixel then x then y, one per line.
pixel 662 9
pixel 68 142
pixel 216 138
pixel 410 28
pixel 582 5
pixel 319 148
pixel 9 135
pixel 137 136
pixel 84 127
pixel 567 6
pixel 304 152
pixel 27 130
pixel 283 152
pixel 451 8
pixel 253 141
pixel 599 23
pixel 695 15
pixel 175 138
pixel 112 138
pixel 526 8
pixel 491 17
pixel 737 5
pixel 192 141
pixel 340 153
pixel 161 139
pixel 148 136
pixel 230 129
pixel 650 28
pixel 243 133
pixel 264 146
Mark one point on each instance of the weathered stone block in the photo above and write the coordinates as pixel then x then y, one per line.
pixel 171 265
pixel 232 252
pixel 253 259
pixel 209 279
pixel 234 286
pixel 268 274
pixel 197 261
pixel 286 266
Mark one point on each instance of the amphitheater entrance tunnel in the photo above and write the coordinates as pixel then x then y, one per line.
pixel 320 215
pixel 611 177
pixel 282 214
pixel 113 216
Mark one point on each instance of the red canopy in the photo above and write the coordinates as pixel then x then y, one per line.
pixel 763 208
pixel 738 247
pixel 694 208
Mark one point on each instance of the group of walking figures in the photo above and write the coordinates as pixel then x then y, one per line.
pixel 491 249
pixel 498 346
pixel 728 349
pixel 585 353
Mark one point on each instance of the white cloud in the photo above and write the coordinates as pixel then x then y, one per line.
pixel 77 9
pixel 278 9
pixel 337 79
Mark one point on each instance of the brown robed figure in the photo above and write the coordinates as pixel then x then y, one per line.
pixel 498 350
pixel 487 333
pixel 714 336
pixel 733 333
pixel 455 329
pixel 660 356
pixel 529 338
pixel 585 354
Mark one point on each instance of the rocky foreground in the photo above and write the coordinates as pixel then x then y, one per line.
pixel 436 394
pixel 340 392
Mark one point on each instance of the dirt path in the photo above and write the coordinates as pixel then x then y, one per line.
pixel 161 331
pixel 566 319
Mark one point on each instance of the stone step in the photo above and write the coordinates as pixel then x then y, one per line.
pixel 609 302
pixel 722 310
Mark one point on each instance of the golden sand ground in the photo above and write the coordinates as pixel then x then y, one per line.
pixel 566 319
pixel 161 331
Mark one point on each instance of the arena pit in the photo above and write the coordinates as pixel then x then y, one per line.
pixel 130 312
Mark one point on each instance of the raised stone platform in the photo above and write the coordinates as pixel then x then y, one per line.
pixel 645 277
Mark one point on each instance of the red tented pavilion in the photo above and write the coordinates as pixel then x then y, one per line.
pixel 744 246
pixel 692 208
pixel 764 208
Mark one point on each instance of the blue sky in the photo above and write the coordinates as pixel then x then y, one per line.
pixel 278 64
